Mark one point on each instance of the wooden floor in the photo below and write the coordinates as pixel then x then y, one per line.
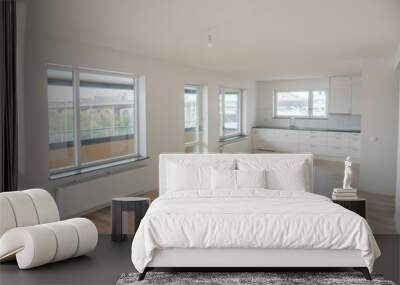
pixel 380 214
pixel 102 218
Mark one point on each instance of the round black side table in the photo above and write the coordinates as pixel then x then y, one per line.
pixel 119 211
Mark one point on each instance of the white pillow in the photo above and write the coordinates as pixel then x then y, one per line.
pixel 190 174
pixel 251 178
pixel 183 177
pixel 223 179
pixel 287 177
pixel 282 174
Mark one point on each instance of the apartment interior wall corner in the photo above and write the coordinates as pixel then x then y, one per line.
pixel 397 213
pixel 397 59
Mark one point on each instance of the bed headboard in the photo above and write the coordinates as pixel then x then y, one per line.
pixel 166 158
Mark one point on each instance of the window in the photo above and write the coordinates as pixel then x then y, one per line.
pixel 192 102
pixel 301 104
pixel 230 109
pixel 93 118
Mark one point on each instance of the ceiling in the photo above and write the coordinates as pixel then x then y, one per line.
pixel 258 39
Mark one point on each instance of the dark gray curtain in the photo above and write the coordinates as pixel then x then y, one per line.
pixel 8 99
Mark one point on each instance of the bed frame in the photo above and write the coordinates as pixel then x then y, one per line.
pixel 249 259
pixel 245 259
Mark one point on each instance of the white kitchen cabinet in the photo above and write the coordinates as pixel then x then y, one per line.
pixel 263 142
pixel 345 95
pixel 312 137
pixel 356 90
pixel 354 141
pixel 340 95
pixel 354 152
pixel 318 150
pixel 323 144
pixel 287 147
pixel 337 151
pixel 336 139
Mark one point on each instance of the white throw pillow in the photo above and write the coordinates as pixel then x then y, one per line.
pixel 282 174
pixel 223 179
pixel 188 174
pixel 251 178
pixel 287 177
pixel 182 177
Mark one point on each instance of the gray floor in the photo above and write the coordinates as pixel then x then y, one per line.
pixel 110 260
pixel 103 266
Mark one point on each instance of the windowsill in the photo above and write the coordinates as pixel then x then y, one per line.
pixel 90 169
pixel 232 139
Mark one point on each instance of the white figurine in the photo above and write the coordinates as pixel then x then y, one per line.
pixel 347 174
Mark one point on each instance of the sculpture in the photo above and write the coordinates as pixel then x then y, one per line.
pixel 347 174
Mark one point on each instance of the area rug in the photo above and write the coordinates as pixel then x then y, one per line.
pixel 269 278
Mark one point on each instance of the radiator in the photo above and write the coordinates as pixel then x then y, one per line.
pixel 92 193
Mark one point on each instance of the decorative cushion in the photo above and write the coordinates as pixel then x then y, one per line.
pixel 188 177
pixel 288 177
pixel 251 178
pixel 223 179
pixel 186 174
pixel 282 174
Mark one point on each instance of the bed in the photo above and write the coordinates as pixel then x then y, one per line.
pixel 246 211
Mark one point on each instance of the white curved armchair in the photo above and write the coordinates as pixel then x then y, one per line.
pixel 31 230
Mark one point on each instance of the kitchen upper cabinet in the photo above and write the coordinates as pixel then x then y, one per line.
pixel 345 95
pixel 356 95
pixel 340 95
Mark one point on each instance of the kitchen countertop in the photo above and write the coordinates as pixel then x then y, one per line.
pixel 307 129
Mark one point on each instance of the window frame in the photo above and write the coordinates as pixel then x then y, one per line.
pixel 310 104
pixel 199 102
pixel 79 167
pixel 222 93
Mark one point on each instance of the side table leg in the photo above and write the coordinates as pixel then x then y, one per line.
pixel 116 213
pixel 140 211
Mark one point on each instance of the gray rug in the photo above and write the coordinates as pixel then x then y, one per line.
pixel 228 278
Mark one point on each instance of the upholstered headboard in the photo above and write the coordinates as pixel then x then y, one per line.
pixel 165 159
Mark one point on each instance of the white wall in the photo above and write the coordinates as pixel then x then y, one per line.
pixel 165 116
pixel 397 58
pixel 397 217
pixel 265 91
pixel 379 109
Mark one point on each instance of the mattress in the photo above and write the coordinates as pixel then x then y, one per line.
pixel 250 219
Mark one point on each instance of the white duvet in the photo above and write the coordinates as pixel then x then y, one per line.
pixel 251 218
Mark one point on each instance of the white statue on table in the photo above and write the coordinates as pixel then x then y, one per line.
pixel 347 174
